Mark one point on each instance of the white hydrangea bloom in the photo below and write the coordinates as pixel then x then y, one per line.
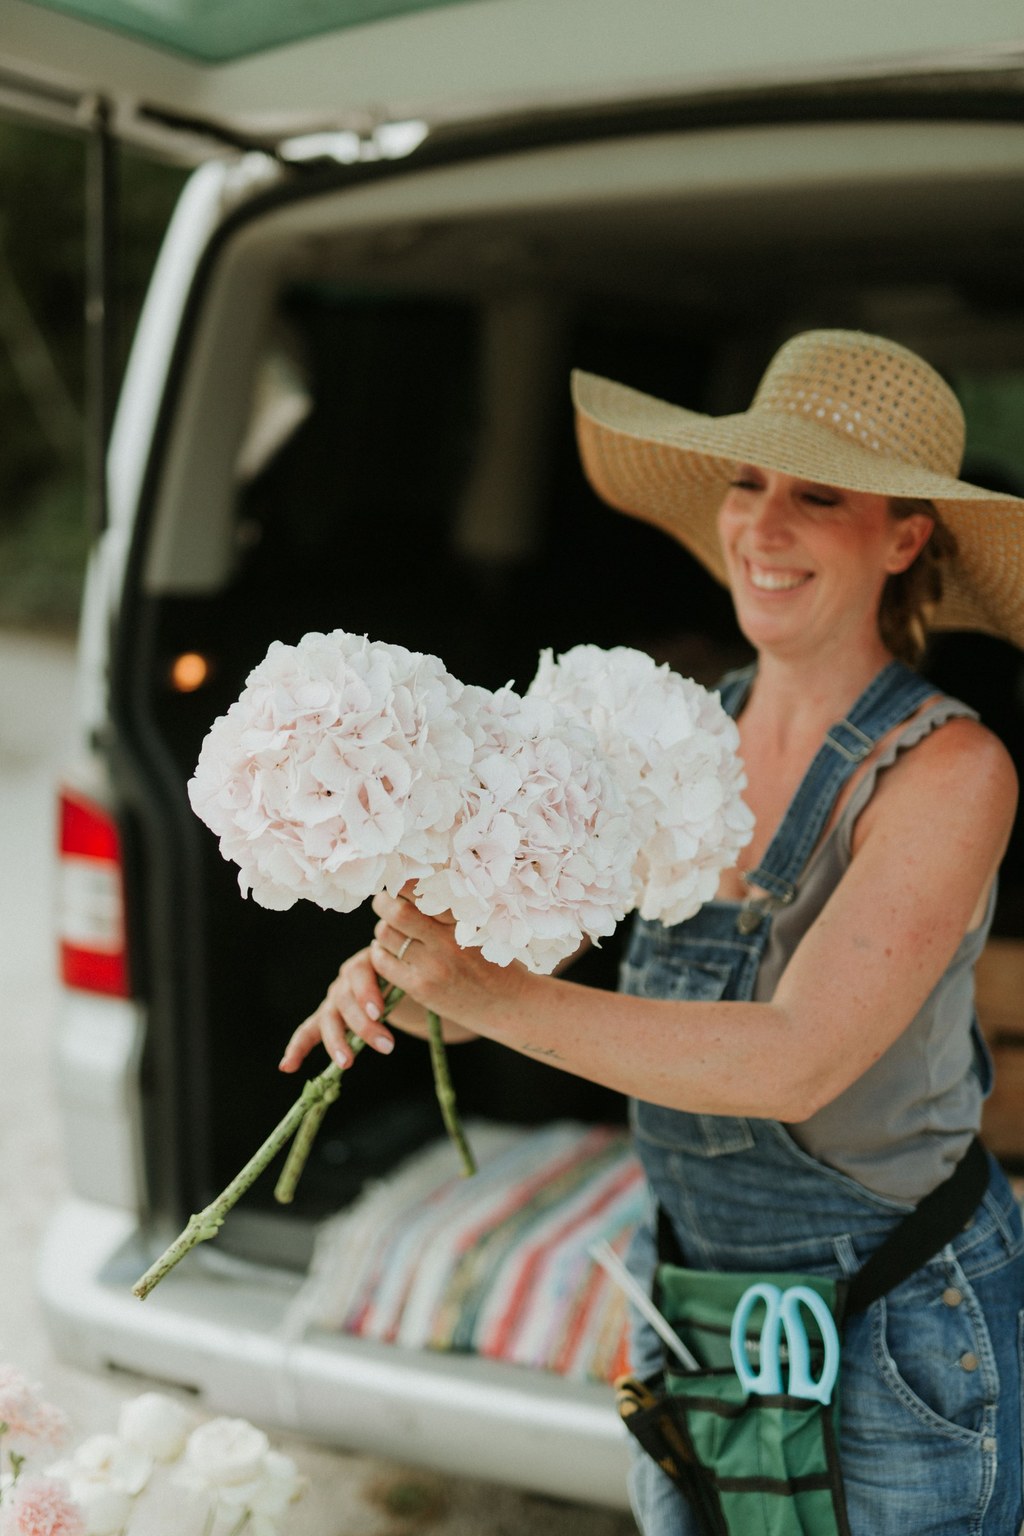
pixel 336 773
pixel 542 853
pixel 674 752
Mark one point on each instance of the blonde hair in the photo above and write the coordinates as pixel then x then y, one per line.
pixel 910 597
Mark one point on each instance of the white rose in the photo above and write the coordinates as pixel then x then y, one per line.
pixel 268 1497
pixel 156 1425
pixel 108 1459
pixel 225 1452
pixel 105 1461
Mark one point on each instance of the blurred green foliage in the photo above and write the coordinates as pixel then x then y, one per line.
pixel 43 536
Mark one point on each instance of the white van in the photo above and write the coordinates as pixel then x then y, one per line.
pixel 346 407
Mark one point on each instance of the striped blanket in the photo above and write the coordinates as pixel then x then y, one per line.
pixel 496 1264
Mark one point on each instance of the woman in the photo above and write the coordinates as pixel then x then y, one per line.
pixel 801 1054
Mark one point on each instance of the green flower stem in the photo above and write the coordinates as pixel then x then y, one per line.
pixel 207 1223
pixel 446 1095
pixel 302 1122
pixel 284 1191
pixel 311 1105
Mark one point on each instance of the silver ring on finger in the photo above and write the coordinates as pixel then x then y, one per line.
pixel 402 948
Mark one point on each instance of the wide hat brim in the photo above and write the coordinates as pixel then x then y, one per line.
pixel 670 467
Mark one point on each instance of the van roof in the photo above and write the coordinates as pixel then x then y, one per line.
pixel 261 71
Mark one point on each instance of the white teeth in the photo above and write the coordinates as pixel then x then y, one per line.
pixel 775 581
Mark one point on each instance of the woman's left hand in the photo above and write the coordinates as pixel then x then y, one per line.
pixel 420 955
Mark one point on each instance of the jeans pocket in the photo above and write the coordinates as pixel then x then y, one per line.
pixel 934 1355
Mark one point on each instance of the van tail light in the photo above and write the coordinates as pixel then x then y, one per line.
pixel 90 907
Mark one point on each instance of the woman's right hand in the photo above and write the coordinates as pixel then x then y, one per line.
pixel 354 1001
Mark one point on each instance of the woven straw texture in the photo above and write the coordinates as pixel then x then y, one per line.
pixel 839 408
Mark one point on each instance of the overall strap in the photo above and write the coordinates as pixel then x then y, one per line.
pixel 734 687
pixel 892 696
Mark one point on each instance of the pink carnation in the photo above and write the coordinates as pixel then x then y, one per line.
pixel 41 1506
pixel 29 1423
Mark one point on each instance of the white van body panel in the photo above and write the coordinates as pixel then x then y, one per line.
pixel 496 58
pixel 232 1337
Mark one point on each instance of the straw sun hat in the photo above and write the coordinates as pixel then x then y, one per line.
pixel 840 408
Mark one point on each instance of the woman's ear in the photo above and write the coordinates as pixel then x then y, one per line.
pixel 910 535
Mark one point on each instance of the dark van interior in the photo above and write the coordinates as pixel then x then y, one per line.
pixel 426 490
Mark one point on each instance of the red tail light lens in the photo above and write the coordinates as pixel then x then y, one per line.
pixel 90 916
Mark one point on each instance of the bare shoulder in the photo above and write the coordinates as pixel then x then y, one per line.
pixel 961 771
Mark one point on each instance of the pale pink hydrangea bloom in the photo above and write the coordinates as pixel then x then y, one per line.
pixel 542 854
pixel 41 1506
pixel 336 774
pixel 349 766
pixel 674 752
pixel 29 1423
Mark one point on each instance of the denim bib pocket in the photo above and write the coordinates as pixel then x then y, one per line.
pixel 672 976
pixel 675 978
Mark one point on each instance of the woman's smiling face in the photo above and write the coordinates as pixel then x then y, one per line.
pixel 806 561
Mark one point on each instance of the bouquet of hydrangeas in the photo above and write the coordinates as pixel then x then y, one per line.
pixel 224 1471
pixel 539 820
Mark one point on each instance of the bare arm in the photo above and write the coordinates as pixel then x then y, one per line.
pixel 925 853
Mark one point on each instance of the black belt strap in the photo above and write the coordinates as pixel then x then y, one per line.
pixel 922 1233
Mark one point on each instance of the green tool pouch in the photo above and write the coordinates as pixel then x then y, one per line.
pixel 766 1462
pixel 763 1465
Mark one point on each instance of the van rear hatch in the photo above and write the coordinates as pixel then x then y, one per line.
pixel 194 79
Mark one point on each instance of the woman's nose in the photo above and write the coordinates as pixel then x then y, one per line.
pixel 771 517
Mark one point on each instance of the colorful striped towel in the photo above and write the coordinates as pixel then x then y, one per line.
pixel 496 1264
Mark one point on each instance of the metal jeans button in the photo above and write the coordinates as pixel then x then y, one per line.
pixel 952 1297
pixel 969 1362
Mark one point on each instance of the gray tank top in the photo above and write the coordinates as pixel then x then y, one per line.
pixel 901 1127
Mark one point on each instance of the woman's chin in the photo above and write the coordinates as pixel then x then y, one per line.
pixel 784 632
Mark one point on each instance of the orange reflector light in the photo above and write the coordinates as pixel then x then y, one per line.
pixel 189 671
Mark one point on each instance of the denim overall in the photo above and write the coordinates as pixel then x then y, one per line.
pixel 930 1429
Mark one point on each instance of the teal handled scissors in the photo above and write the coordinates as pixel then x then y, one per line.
pixel 783 1316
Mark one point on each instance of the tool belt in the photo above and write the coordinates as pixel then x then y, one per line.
pixel 749 1435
